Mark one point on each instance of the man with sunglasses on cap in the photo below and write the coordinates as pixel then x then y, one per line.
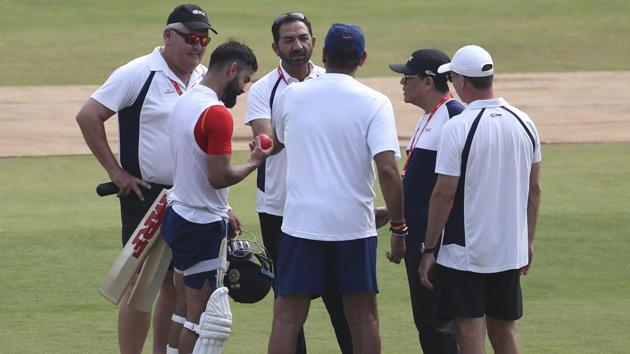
pixel 486 202
pixel 293 43
pixel 142 93
pixel 333 129
pixel 424 87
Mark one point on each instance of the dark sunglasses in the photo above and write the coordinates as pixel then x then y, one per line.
pixel 289 16
pixel 193 38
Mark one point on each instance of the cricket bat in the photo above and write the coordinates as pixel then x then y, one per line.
pixel 151 276
pixel 135 251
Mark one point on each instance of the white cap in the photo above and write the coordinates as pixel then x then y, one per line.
pixel 471 61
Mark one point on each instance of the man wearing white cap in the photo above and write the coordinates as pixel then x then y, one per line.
pixel 486 202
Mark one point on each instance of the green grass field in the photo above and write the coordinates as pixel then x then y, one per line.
pixel 81 42
pixel 58 239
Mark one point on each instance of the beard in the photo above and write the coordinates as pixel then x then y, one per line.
pixel 231 91
pixel 296 57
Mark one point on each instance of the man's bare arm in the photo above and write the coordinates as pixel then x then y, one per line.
pixel 440 207
pixel 263 126
pixel 533 205
pixel 391 186
pixel 91 120
pixel 222 174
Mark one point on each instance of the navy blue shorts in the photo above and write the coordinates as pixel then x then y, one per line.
pixel 195 247
pixel 304 265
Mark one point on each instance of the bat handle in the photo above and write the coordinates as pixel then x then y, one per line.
pixel 105 189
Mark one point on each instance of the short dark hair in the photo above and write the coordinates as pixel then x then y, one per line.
pixel 343 57
pixel 289 18
pixel 232 50
pixel 481 83
pixel 441 82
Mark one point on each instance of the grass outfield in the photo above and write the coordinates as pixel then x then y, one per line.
pixel 58 239
pixel 81 42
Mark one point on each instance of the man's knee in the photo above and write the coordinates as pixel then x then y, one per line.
pixel 360 308
pixel 470 328
pixel 500 330
pixel 290 310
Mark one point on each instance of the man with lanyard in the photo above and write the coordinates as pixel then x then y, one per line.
pixel 423 87
pixel 334 129
pixel 486 202
pixel 142 93
pixel 293 43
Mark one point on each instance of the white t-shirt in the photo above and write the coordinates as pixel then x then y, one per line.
pixel 487 228
pixel 332 128
pixel 144 140
pixel 271 191
pixel 192 196
pixel 429 138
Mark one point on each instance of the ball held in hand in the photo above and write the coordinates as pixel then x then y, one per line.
pixel 265 141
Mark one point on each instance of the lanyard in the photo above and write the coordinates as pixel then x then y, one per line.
pixel 281 74
pixel 179 91
pixel 419 132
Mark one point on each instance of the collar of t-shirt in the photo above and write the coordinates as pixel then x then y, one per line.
pixel 157 63
pixel 208 91
pixel 312 73
pixel 492 103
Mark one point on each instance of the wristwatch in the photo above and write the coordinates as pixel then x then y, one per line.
pixel 424 249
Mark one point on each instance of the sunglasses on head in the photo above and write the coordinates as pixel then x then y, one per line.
pixel 289 16
pixel 193 38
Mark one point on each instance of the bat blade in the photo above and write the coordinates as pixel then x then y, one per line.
pixel 151 276
pixel 135 251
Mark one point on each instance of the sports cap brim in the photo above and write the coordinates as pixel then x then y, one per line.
pixel 401 69
pixel 198 25
pixel 444 68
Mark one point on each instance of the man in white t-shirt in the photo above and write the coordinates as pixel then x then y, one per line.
pixel 195 222
pixel 142 93
pixel 486 200
pixel 333 129
pixel 422 86
pixel 293 43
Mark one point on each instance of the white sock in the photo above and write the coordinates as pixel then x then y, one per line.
pixel 171 350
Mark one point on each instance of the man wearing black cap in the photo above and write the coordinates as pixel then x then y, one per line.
pixel 333 129
pixel 142 93
pixel 424 87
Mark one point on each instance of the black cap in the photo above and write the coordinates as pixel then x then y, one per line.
pixel 191 16
pixel 424 62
